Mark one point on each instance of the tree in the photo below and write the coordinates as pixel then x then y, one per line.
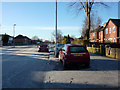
pixel 73 36
pixel 5 39
pixel 59 36
pixel 46 41
pixel 35 39
pixel 67 39
pixel 87 6
pixel 94 23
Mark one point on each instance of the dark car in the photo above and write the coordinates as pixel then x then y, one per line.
pixel 72 54
pixel 43 48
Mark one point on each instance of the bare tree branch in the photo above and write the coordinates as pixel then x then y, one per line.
pixel 87 6
pixel 103 4
pixel 83 6
pixel 72 4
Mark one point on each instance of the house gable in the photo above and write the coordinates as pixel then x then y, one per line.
pixel 111 30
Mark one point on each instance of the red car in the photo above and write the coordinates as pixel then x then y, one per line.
pixel 43 48
pixel 74 54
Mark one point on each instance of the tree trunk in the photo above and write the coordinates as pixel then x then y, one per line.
pixel 88 30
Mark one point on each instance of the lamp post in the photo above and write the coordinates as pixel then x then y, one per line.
pixel 14 35
pixel 56 29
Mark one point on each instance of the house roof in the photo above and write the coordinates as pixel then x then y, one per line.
pixel 99 28
pixel 22 37
pixel 116 22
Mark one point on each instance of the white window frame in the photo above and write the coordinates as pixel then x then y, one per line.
pixel 110 39
pixel 99 33
pixel 106 30
pixel 114 39
pixel 94 34
pixel 109 30
pixel 106 40
pixel 114 29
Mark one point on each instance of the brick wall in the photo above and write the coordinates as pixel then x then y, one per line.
pixel 22 41
pixel 101 36
pixel 112 52
pixel 94 36
pixel 110 36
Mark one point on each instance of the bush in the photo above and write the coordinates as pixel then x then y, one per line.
pixel 82 42
pixel 5 39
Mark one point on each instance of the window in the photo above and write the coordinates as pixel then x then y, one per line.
pixel 77 49
pixel 110 39
pixel 99 33
pixel 43 45
pixel 109 30
pixel 106 40
pixel 114 39
pixel 106 30
pixel 114 29
pixel 60 44
pixel 65 48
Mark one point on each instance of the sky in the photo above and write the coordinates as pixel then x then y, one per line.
pixel 38 18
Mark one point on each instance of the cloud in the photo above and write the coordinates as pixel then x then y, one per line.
pixel 41 28
pixel 59 28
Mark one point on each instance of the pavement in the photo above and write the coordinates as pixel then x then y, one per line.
pixel 24 67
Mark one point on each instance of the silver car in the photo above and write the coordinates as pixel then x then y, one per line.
pixel 59 46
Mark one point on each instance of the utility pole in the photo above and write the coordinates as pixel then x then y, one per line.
pixel 1 36
pixel 14 35
pixel 56 29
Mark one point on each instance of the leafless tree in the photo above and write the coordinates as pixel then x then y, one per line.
pixel 35 38
pixel 59 35
pixel 87 6
pixel 94 23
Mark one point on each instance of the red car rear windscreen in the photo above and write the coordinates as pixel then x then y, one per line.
pixel 76 49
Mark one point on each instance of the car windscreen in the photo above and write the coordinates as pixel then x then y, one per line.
pixel 77 49
pixel 43 45
pixel 60 45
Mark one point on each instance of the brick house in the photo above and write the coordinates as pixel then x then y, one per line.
pixel 112 31
pixel 22 40
pixel 96 35
pixel 101 35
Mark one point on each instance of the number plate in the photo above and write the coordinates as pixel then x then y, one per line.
pixel 78 55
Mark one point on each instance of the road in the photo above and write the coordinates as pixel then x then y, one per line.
pixel 24 67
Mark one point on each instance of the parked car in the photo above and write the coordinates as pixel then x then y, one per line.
pixel 72 54
pixel 43 48
pixel 59 46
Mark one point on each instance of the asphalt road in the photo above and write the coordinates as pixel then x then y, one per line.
pixel 24 67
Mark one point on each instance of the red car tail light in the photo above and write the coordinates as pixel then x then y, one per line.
pixel 57 48
pixel 67 49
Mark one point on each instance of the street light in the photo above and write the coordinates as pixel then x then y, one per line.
pixel 14 35
pixel 56 30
